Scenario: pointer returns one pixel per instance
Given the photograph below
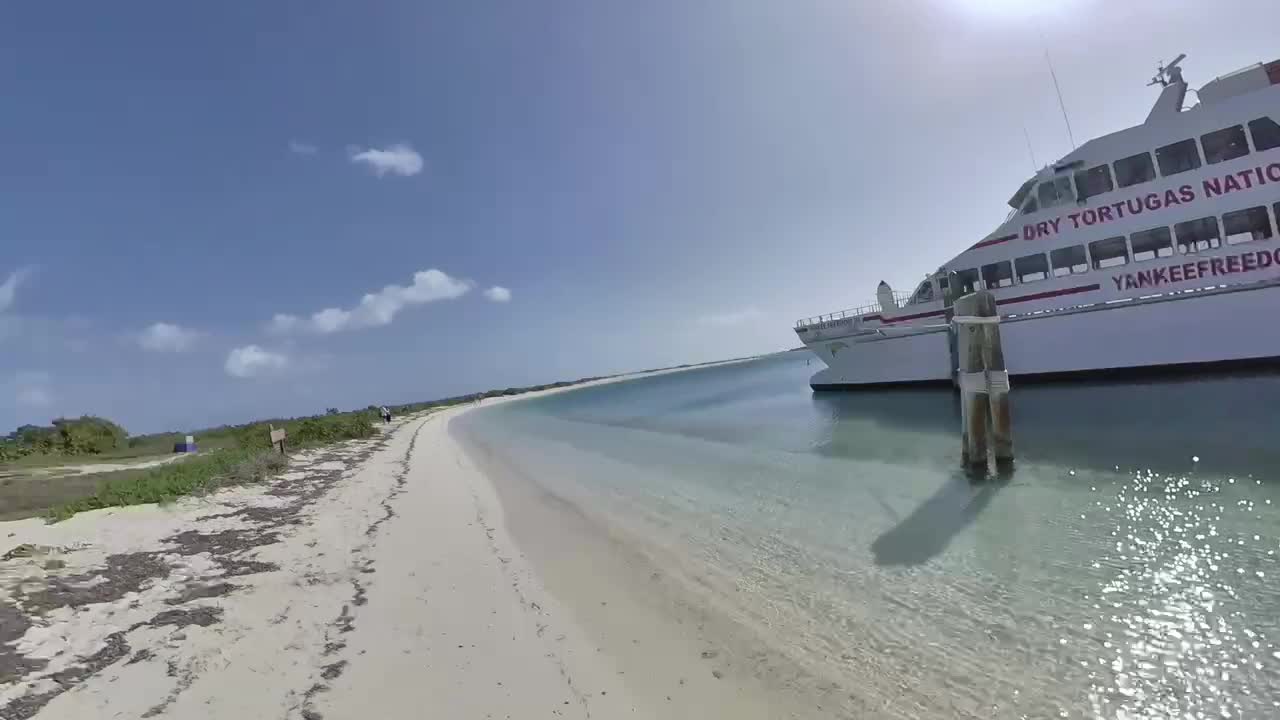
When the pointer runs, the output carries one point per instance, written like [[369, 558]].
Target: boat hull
[[1220, 326]]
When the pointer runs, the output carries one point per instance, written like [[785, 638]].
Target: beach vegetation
[[165, 483]]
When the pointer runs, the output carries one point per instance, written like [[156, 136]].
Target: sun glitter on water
[[1179, 638]]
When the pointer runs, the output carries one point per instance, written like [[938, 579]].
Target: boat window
[[1023, 191], [1111, 252], [1094, 181], [1246, 225], [923, 294], [1134, 169], [1178, 157], [966, 281], [1226, 144], [1068, 261], [1197, 235], [1031, 268], [1265, 132], [1151, 244], [998, 275], [1055, 192], [1030, 207]]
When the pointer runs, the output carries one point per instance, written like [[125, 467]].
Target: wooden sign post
[[277, 438]]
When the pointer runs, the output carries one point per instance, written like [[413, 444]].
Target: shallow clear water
[[1126, 569]]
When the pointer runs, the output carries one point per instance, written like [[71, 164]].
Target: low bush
[[89, 435], [195, 475], [311, 431], [86, 435]]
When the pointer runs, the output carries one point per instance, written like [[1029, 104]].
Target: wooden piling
[[983, 382], [974, 407], [997, 387]]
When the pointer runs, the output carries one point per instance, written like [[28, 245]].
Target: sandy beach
[[374, 578]]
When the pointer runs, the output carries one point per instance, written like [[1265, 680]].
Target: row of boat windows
[[1219, 146], [1193, 236]]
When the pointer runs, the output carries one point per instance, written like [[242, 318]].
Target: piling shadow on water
[[929, 529]]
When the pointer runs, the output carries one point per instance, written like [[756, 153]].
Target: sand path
[[373, 579]]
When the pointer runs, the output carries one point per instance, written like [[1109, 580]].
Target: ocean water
[[1127, 567]]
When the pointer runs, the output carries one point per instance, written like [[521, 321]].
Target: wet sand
[[683, 653]]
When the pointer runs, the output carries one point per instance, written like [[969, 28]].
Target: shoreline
[[372, 576], [681, 657], [670, 625]]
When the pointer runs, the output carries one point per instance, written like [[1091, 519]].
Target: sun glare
[[1000, 9]]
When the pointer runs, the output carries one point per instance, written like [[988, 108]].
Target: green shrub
[[10, 451], [165, 483], [89, 435], [307, 432], [86, 435]]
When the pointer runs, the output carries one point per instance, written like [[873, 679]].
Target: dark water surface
[[1126, 569]]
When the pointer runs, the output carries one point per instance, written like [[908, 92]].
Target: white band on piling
[[997, 381], [975, 320], [972, 382], [989, 381]]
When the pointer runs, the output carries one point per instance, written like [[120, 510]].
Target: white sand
[[397, 592]]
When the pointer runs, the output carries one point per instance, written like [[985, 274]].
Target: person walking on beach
[[386, 414]]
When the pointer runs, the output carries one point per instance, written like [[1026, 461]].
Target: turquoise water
[[1127, 568]]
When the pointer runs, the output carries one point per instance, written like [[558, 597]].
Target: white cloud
[[9, 288], [282, 323], [731, 318], [252, 361], [298, 147], [31, 389], [167, 337], [399, 159], [379, 308], [498, 294]]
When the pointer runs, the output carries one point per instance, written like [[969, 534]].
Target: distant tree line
[[91, 435], [85, 435]]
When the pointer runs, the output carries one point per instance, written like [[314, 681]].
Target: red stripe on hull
[[1049, 294], [1003, 301], [995, 241], [917, 316]]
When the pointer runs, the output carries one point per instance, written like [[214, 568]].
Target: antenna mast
[[1057, 89], [1035, 166]]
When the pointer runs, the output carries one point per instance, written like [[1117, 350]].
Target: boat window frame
[[982, 272], [1117, 241], [1084, 190], [967, 287], [1142, 236], [1150, 166], [1045, 272], [1180, 145], [915, 299], [1243, 212], [1059, 184], [1222, 152], [1272, 134], [1185, 248], [1070, 269]]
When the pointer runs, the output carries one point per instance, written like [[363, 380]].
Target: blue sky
[[650, 183]]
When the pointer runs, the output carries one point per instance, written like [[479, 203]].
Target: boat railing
[[899, 298]]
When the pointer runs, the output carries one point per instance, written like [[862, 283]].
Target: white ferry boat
[[1152, 247]]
